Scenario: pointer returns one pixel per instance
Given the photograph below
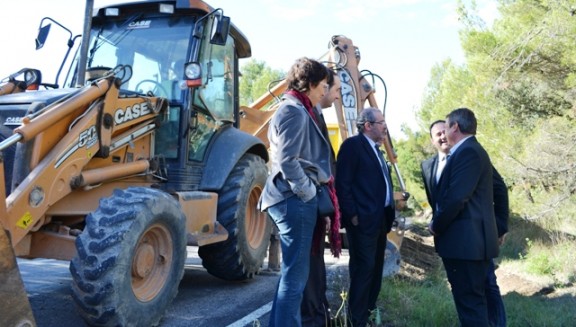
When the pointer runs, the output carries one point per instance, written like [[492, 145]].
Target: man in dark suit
[[463, 223], [496, 309], [364, 190], [431, 167], [431, 170], [315, 308]]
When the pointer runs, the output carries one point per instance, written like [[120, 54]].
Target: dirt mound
[[418, 254], [511, 282], [419, 259]]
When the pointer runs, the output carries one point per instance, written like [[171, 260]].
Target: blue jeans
[[496, 310], [295, 220]]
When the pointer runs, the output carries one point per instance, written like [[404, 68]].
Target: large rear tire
[[130, 259], [242, 254]]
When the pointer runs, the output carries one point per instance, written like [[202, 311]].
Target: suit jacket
[[501, 203], [464, 222], [361, 187], [429, 178], [300, 155]]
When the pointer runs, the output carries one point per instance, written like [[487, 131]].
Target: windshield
[[154, 47]]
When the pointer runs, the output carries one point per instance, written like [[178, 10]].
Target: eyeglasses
[[377, 122]]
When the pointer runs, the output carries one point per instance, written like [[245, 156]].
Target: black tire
[[241, 256], [130, 259]]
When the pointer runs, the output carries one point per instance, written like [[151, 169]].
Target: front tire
[[130, 259], [242, 254]]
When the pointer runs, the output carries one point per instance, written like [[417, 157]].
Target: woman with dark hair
[[300, 156]]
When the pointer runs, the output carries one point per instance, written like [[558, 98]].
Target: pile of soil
[[419, 258], [418, 254]]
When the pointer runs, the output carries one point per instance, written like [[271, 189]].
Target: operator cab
[[179, 51]]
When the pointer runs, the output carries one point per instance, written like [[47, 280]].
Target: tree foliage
[[256, 80], [519, 78]]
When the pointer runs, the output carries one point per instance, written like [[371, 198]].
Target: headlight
[[193, 71]]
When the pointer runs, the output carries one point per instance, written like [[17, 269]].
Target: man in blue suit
[[431, 171], [364, 190], [463, 223]]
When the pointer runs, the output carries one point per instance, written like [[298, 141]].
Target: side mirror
[[42, 36], [32, 78], [220, 30]]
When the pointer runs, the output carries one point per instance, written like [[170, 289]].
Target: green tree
[[256, 80], [525, 63], [519, 79], [410, 152]]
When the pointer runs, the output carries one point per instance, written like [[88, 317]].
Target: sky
[[400, 40]]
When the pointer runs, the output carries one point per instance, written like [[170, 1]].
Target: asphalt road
[[202, 300]]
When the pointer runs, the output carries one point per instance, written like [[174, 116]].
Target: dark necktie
[[386, 175]]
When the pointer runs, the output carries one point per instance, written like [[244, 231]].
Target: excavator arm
[[90, 122], [72, 132]]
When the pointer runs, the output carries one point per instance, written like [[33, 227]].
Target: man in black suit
[[431, 170], [315, 309], [431, 167], [364, 190], [463, 223]]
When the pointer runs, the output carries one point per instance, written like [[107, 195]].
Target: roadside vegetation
[[536, 277], [537, 282]]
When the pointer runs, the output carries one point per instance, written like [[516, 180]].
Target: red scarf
[[305, 100], [320, 228], [334, 236]]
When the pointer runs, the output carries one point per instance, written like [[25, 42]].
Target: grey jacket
[[300, 155]]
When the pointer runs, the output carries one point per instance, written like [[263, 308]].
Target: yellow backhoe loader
[[141, 150], [134, 157]]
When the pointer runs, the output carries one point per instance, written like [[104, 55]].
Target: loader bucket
[[392, 258], [15, 309]]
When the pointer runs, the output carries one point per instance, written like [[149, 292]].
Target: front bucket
[[15, 308], [392, 257]]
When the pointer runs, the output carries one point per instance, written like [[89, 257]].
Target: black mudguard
[[227, 149]]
